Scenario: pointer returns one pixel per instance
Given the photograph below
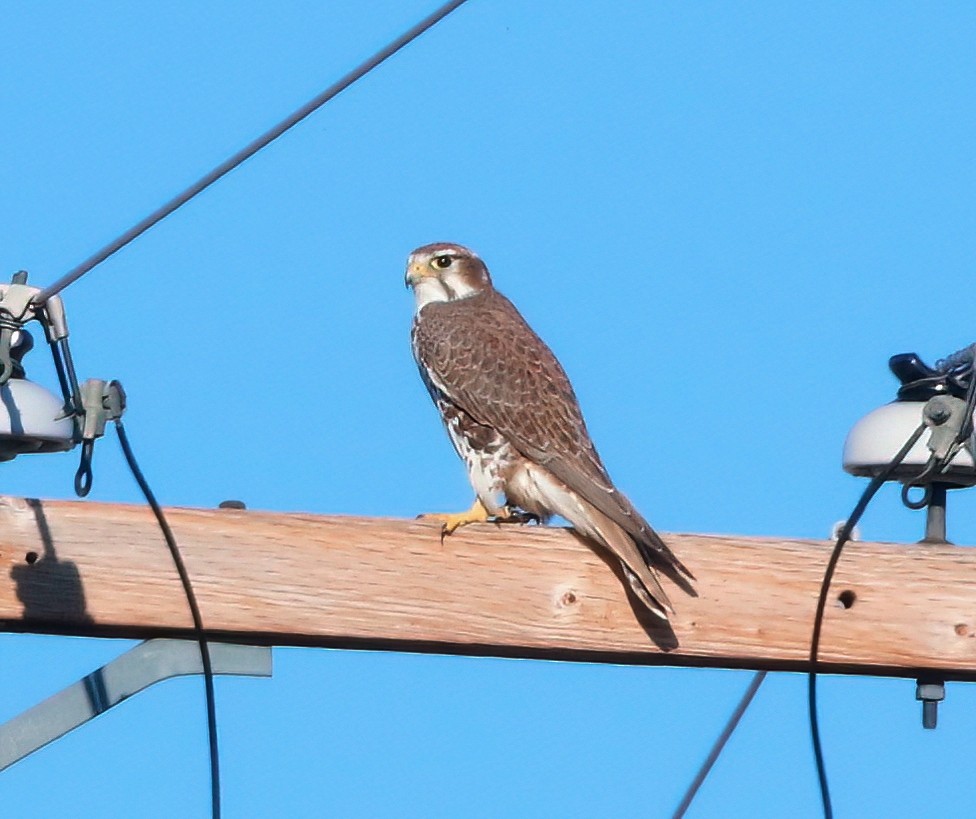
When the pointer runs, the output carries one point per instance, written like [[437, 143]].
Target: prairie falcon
[[513, 418]]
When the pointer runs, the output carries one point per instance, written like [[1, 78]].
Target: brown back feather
[[492, 364]]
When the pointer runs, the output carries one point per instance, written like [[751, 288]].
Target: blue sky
[[722, 217]]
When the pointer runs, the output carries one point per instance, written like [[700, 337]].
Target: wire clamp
[[950, 429], [101, 402], [945, 416]]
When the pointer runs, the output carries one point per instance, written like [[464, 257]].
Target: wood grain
[[294, 579]]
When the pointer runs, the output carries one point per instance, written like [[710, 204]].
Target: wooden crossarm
[[502, 590]]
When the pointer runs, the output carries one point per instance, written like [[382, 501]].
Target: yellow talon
[[476, 514]]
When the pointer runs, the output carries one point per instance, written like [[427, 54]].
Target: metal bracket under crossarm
[[148, 663]]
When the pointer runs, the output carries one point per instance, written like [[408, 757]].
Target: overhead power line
[[191, 599], [842, 538], [248, 151]]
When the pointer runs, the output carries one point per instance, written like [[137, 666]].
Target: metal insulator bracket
[[945, 416], [112, 684], [17, 307]]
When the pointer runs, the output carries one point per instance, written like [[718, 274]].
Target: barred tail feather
[[535, 489], [640, 576]]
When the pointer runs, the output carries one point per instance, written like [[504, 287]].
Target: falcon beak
[[415, 272]]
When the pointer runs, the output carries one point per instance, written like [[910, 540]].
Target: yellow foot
[[476, 514]]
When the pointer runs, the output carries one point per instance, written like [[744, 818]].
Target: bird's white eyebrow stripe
[[453, 251]]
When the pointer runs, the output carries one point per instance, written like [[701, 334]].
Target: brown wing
[[480, 352]]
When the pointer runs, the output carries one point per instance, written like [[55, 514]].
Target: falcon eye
[[443, 262]]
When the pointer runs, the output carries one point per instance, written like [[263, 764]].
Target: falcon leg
[[476, 514], [510, 515]]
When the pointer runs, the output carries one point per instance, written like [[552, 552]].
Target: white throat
[[432, 289]]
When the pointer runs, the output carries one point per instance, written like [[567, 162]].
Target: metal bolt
[[930, 693], [937, 412]]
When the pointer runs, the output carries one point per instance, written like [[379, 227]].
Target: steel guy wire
[[719, 745], [246, 152]]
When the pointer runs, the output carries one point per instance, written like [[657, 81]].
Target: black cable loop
[[83, 477], [921, 481], [845, 534], [936, 465], [191, 600], [922, 502]]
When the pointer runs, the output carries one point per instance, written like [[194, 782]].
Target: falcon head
[[445, 272]]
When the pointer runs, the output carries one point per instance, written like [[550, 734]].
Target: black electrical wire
[[719, 745], [845, 534], [967, 425], [191, 600], [960, 360], [246, 152]]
